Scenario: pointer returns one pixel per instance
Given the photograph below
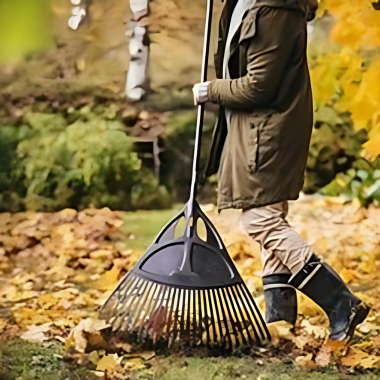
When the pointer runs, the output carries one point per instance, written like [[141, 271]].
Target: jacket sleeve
[[268, 55]]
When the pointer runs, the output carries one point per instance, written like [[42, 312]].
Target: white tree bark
[[79, 12], [136, 82]]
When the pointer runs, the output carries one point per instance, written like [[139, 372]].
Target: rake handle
[[201, 107]]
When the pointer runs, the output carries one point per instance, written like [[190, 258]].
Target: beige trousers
[[282, 249]]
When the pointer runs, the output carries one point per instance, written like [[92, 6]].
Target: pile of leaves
[[58, 268], [55, 269]]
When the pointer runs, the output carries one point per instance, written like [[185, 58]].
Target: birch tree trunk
[[137, 82], [79, 12]]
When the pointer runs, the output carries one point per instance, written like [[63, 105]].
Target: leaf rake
[[187, 289]]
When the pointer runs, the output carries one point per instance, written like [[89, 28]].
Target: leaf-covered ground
[[57, 269]]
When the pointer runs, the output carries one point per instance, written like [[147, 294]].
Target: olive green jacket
[[261, 159]]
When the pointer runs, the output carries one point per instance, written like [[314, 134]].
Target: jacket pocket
[[254, 147]]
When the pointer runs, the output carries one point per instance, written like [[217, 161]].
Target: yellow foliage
[[353, 74]]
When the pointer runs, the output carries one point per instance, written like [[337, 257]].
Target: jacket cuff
[[216, 88], [212, 91]]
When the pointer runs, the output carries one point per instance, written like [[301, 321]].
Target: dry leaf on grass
[[147, 355], [318, 332], [323, 357], [280, 330], [359, 358], [335, 345], [306, 361], [3, 323], [35, 334], [107, 362], [78, 340], [93, 357]]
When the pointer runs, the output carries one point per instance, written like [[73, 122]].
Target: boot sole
[[359, 317]]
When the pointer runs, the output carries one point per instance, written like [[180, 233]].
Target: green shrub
[[82, 160], [334, 147], [361, 182]]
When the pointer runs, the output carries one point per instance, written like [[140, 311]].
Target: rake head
[[186, 289]]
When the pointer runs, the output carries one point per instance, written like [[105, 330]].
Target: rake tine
[[166, 313], [234, 311], [127, 298], [122, 306], [119, 294], [215, 339], [256, 325], [188, 315], [149, 321], [207, 324], [200, 322], [171, 312], [239, 310], [183, 305], [124, 293], [135, 303], [142, 303], [220, 318], [174, 324], [193, 293], [133, 296], [156, 313], [147, 314], [255, 312], [260, 318], [122, 280], [177, 316], [224, 318], [230, 316], [238, 296]]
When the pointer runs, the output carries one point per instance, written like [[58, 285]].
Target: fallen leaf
[[107, 362], [348, 275], [319, 332], [77, 338], [35, 334], [280, 330], [94, 357], [335, 345], [306, 361], [323, 357], [147, 355], [360, 358]]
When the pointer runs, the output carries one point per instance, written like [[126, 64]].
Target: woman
[[260, 149]]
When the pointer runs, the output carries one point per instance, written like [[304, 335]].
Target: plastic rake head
[[187, 290]]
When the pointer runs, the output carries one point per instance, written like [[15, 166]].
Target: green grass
[[232, 368], [145, 225], [22, 360]]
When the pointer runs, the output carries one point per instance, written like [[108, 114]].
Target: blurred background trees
[[69, 138]]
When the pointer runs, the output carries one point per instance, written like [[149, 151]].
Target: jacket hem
[[246, 204]]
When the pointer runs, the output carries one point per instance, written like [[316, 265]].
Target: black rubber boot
[[280, 299], [323, 285]]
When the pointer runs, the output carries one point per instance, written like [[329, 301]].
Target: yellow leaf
[[94, 357], [348, 275], [372, 147], [360, 358], [306, 361], [106, 362]]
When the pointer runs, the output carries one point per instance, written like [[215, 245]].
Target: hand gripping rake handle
[[201, 107]]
